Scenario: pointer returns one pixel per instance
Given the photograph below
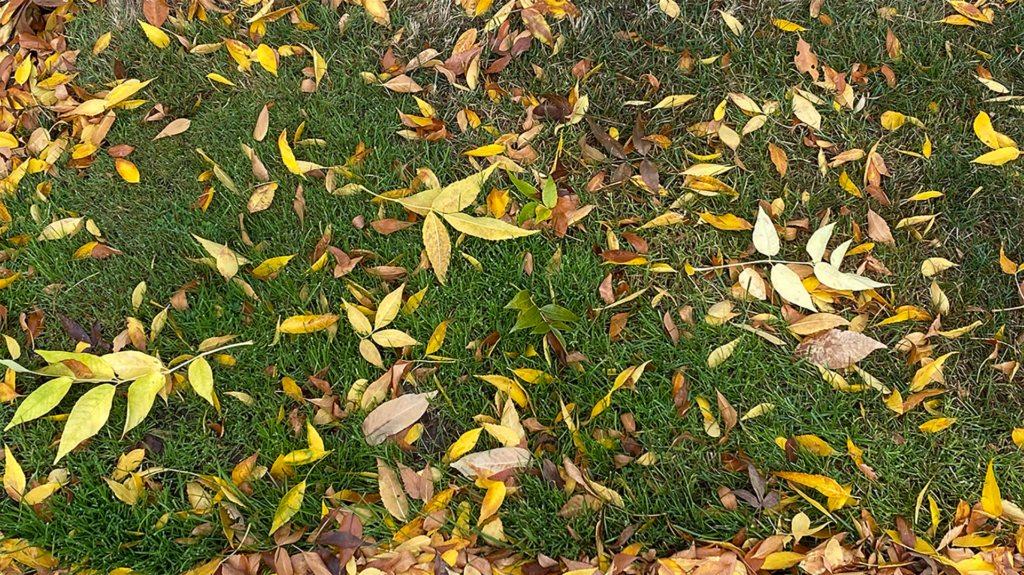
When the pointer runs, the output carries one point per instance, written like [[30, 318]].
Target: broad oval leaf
[[86, 418], [392, 338], [835, 279], [141, 395], [437, 244], [393, 416], [132, 364], [787, 284], [388, 308], [200, 376], [719, 355], [41, 401], [97, 365]]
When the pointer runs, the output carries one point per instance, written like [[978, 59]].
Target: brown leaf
[[156, 12], [680, 394], [670, 327], [403, 83], [890, 76], [729, 415], [837, 349], [299, 204], [816, 8], [878, 229], [641, 145], [120, 151], [389, 226], [606, 291], [638, 243], [892, 44], [617, 324], [610, 144], [649, 174], [879, 194], [619, 256], [393, 416], [778, 156], [805, 60]]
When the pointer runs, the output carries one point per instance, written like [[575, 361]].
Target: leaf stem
[[206, 353], [723, 266], [1018, 308]]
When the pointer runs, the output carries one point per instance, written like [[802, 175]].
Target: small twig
[[1018, 308], [712, 268]]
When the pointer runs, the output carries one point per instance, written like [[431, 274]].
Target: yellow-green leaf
[[719, 355], [486, 228], [200, 376], [270, 268], [437, 244], [132, 364], [825, 485], [289, 506], [86, 418], [141, 395], [41, 401]]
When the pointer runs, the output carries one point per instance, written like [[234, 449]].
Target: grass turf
[[151, 222]]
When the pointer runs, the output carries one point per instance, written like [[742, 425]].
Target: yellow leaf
[[157, 36], [454, 197], [218, 78], [378, 11], [490, 150], [392, 338], [132, 364], [921, 196], [66, 227], [370, 353], [289, 506], [506, 435], [932, 266], [388, 308], [486, 228], [727, 222], [261, 197], [811, 443], [924, 375], [719, 355], [124, 91], [101, 44], [465, 444], [997, 157], [937, 424], [805, 111], [308, 323], [319, 65], [892, 120], [1018, 436], [226, 259], [200, 377], [731, 22], [271, 267], [358, 321], [766, 239], [955, 333], [991, 501], [266, 57], [926, 149], [758, 410], [508, 386], [988, 135], [413, 303], [674, 101], [787, 26], [895, 402], [14, 478], [710, 423], [824, 485], [41, 493], [1006, 264], [781, 559], [492, 500], [437, 338], [86, 418], [287, 156], [127, 170]]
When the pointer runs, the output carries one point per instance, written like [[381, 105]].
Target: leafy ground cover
[[525, 287]]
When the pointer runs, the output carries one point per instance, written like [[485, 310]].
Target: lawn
[[656, 472]]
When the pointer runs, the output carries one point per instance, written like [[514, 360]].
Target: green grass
[[151, 223]]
